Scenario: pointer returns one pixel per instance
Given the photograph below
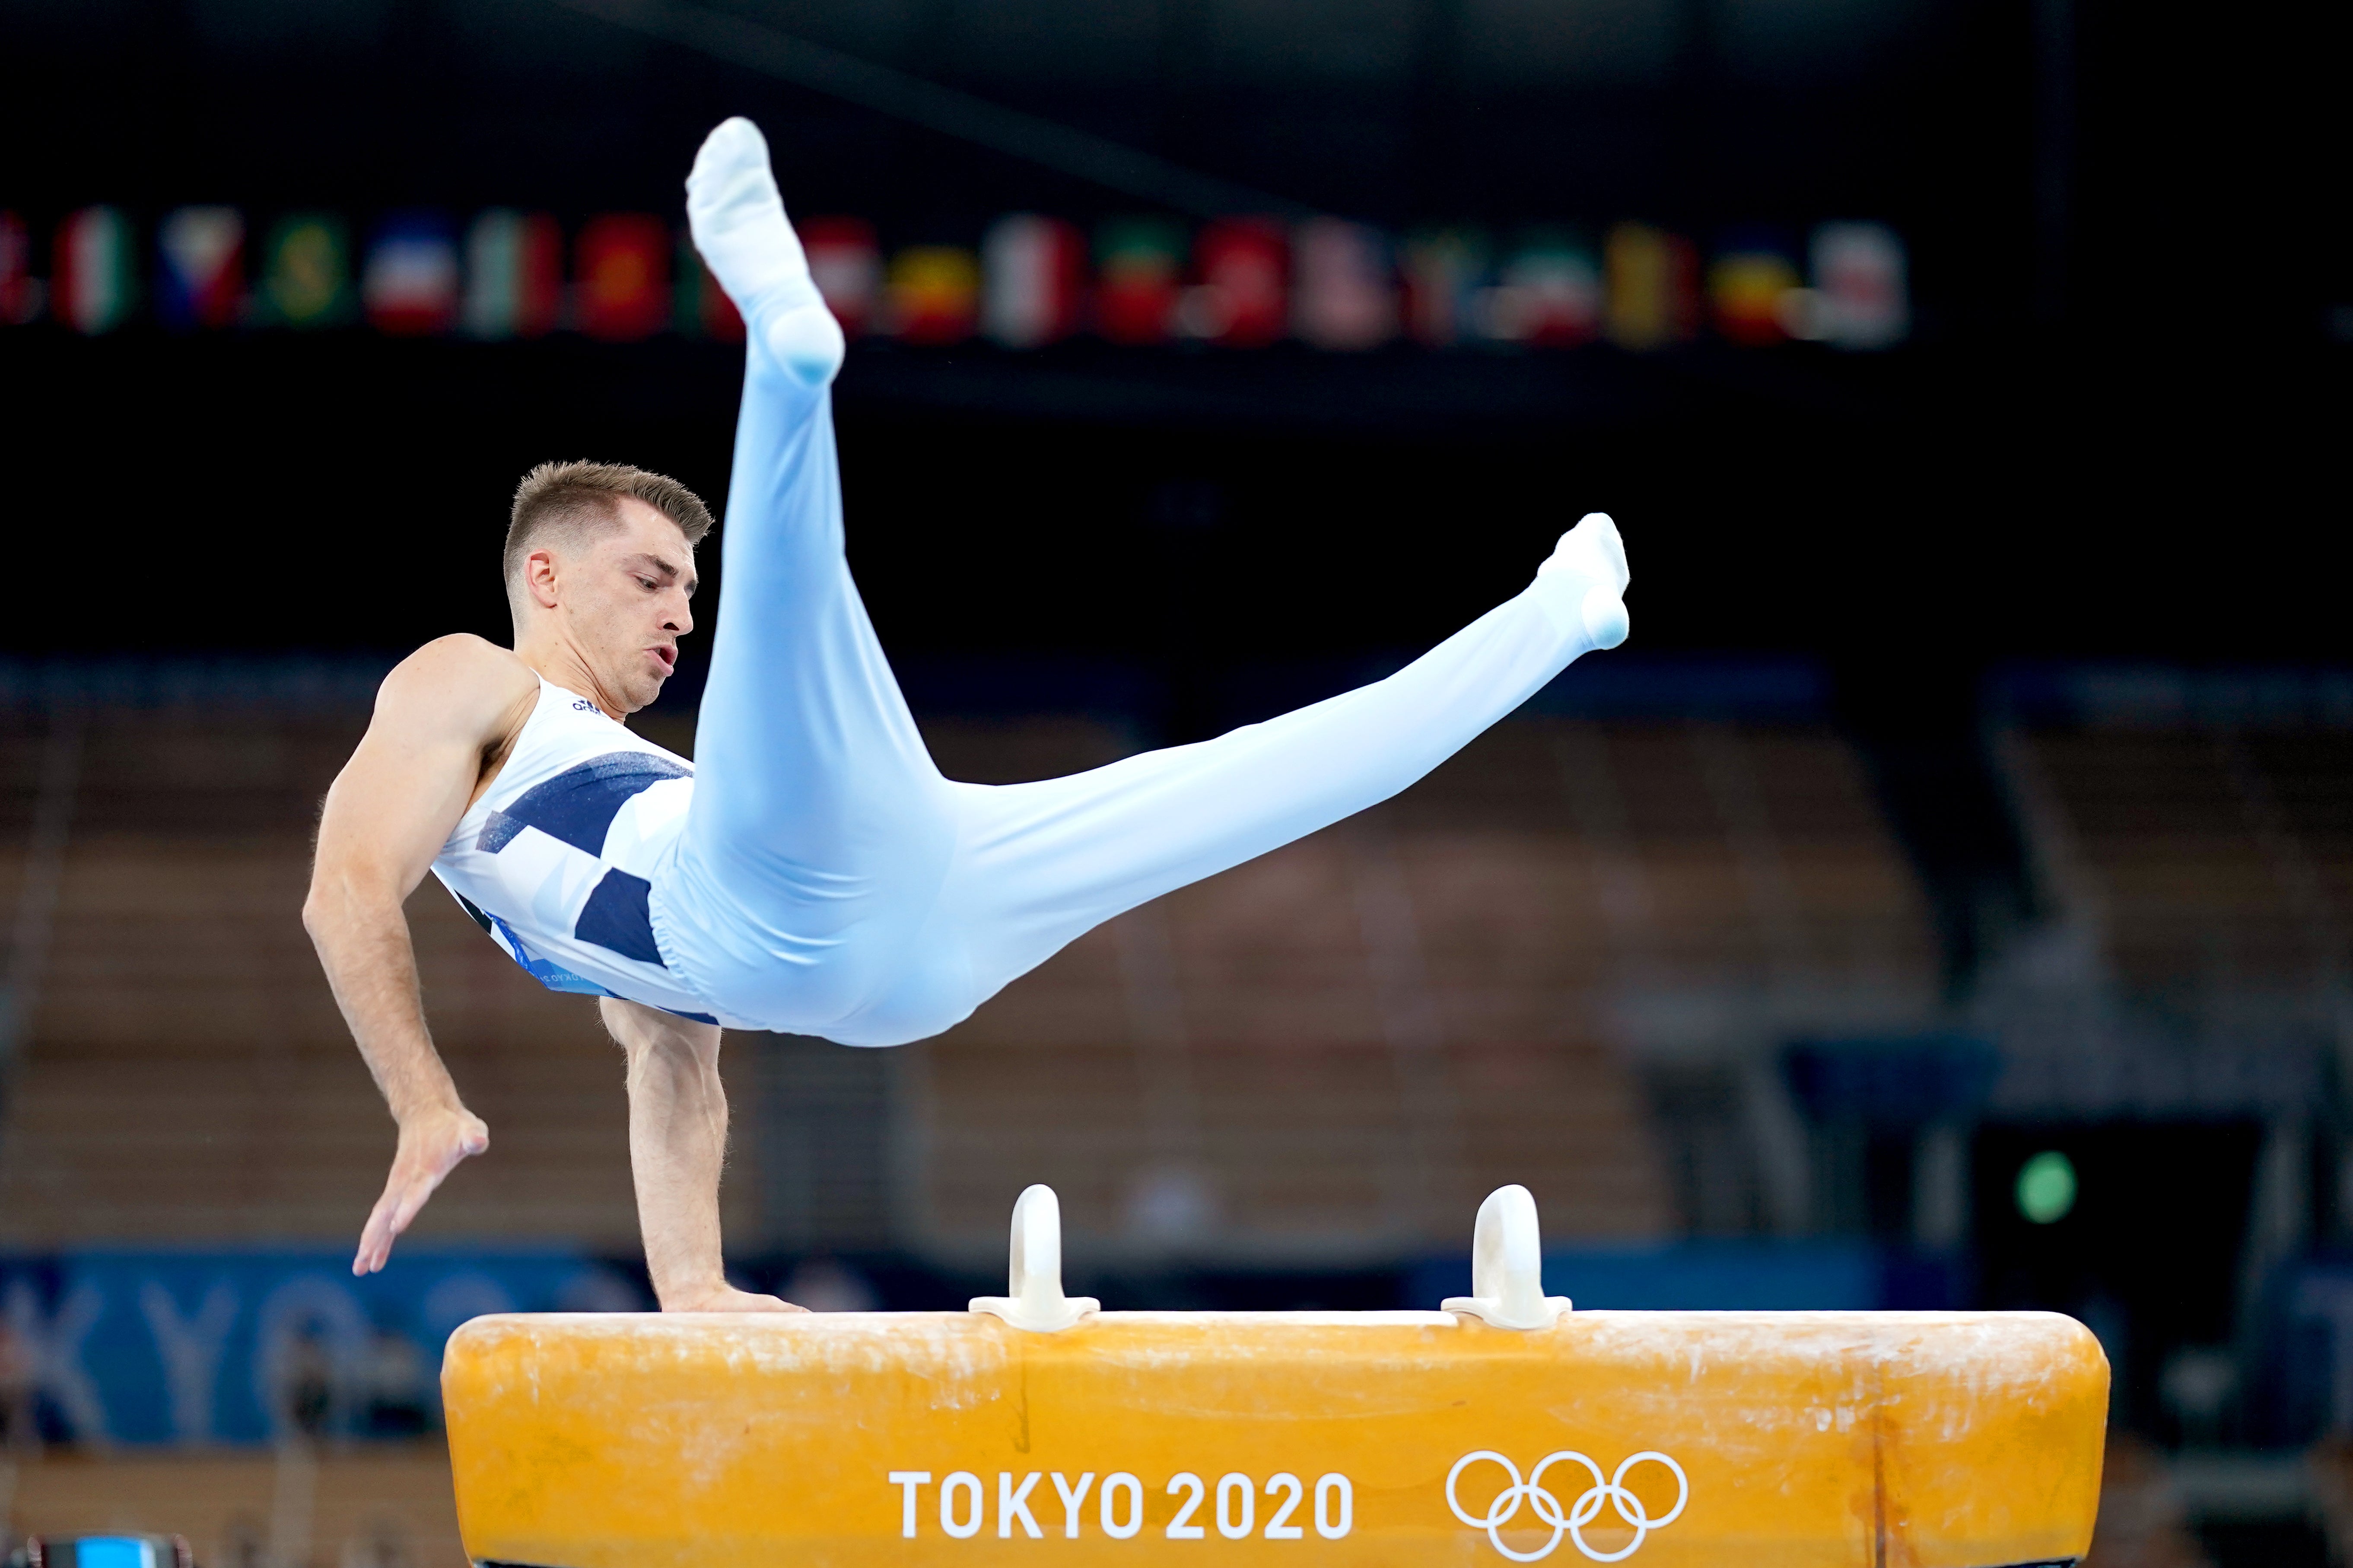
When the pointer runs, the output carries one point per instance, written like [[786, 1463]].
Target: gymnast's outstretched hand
[[431, 1144]]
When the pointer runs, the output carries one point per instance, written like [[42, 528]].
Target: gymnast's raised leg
[[1038, 864], [828, 881], [820, 830]]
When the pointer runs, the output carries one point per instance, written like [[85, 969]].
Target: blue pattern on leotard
[[615, 916], [579, 804], [554, 976]]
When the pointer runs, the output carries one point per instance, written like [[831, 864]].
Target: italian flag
[[92, 273]]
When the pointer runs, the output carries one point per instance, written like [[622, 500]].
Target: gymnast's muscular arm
[[445, 719], [678, 1141]]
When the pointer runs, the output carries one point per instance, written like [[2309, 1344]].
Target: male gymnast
[[810, 872]]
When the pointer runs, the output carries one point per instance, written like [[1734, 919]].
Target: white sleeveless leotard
[[557, 857]]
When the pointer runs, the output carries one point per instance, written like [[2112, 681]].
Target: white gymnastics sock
[[740, 227], [1593, 552]]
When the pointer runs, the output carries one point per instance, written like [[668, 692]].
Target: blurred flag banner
[[1444, 270], [1753, 292], [91, 276], [1653, 287], [1862, 295], [20, 292], [1333, 284], [306, 272], [704, 309], [1548, 294], [1033, 280], [622, 270], [1344, 298], [847, 265], [514, 274], [1138, 265], [201, 252], [934, 293], [409, 286], [1241, 299]]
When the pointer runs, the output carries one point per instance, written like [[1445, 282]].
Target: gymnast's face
[[624, 597]]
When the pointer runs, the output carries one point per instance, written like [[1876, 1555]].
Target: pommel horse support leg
[[1037, 1429]]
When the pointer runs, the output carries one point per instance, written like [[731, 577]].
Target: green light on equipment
[[2046, 1187]]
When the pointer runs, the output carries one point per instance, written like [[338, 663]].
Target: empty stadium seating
[[2209, 859], [1326, 1056], [1333, 1052], [2209, 862], [2190, 837], [385, 1507]]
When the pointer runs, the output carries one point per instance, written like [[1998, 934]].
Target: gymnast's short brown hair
[[578, 500]]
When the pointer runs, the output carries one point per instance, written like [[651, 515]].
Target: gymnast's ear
[[535, 579]]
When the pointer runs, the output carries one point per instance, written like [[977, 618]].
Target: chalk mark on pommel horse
[[1506, 1427]]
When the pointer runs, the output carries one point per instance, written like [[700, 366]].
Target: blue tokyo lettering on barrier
[[193, 1348], [54, 1336], [963, 1506]]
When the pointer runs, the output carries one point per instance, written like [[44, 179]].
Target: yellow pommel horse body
[[1505, 1429]]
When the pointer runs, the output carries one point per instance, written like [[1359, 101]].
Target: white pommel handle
[[1035, 1279], [1507, 1266]]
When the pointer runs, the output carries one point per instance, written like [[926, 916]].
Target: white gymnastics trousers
[[830, 881]]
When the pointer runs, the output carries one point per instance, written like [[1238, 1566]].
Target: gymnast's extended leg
[[816, 810], [1040, 863]]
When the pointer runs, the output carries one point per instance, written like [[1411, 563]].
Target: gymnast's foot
[[739, 225], [1593, 552]]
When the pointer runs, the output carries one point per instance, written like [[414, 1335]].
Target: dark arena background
[[1944, 899]]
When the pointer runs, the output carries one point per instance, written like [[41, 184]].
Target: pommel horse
[[1506, 1427]]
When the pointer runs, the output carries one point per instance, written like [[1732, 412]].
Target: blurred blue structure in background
[[202, 1347]]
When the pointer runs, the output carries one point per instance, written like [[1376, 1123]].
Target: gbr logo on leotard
[[1235, 1506]]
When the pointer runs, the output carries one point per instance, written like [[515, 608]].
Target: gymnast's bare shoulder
[[445, 720], [472, 679], [459, 699]]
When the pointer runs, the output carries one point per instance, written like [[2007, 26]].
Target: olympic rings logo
[[1581, 1513]]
